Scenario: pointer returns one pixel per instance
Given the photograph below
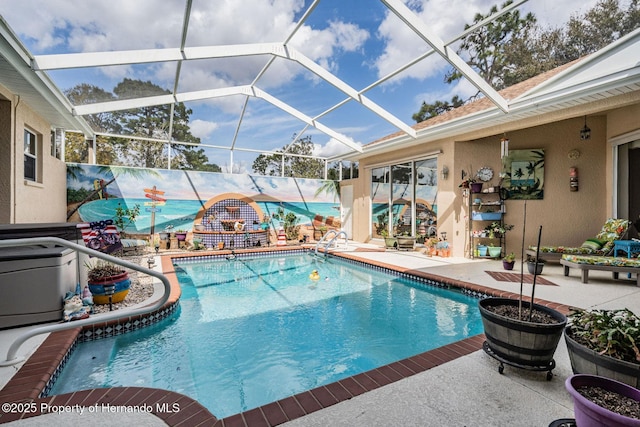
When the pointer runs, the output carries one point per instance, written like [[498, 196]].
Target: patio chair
[[602, 245]]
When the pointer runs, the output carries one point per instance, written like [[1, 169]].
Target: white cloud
[[332, 148], [202, 128], [444, 19]]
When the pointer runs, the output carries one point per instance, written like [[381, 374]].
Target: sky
[[359, 41]]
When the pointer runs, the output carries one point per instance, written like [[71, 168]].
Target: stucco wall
[[5, 158], [45, 200], [567, 218]]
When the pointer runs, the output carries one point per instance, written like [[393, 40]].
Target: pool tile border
[[35, 377]]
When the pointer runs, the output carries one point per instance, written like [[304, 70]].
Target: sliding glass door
[[403, 198]]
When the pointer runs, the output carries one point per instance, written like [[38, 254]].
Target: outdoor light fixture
[[585, 132], [444, 173]]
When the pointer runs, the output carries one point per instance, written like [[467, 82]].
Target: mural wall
[[186, 200]]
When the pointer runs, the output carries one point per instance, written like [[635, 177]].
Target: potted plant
[[476, 187], [521, 333], [405, 241], [482, 250], [605, 343], [431, 243], [106, 279], [508, 261], [389, 241], [535, 267], [600, 401], [181, 235], [494, 251], [497, 229]]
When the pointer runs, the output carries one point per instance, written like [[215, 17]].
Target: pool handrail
[[330, 242], [12, 359]]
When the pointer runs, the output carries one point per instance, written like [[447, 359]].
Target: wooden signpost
[[156, 200]]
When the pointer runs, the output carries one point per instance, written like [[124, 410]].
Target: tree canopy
[[148, 122], [512, 48], [302, 167]]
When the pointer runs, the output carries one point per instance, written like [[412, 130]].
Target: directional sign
[[154, 197], [153, 210], [153, 191], [155, 203]]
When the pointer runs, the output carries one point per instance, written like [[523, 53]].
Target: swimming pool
[[254, 330]]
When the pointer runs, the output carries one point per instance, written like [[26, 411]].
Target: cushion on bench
[[603, 260]]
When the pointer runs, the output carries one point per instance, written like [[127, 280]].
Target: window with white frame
[[30, 155]]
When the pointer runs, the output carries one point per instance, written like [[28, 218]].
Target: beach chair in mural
[[602, 245], [103, 236]]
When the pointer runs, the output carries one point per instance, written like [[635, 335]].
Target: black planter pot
[[520, 343], [535, 268], [586, 361]]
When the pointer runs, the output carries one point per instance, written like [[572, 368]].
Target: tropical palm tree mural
[[74, 172]]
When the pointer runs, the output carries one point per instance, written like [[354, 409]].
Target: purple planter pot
[[587, 413]]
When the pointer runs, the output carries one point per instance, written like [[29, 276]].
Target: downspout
[[14, 208]]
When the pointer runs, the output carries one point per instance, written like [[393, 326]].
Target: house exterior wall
[[6, 156], [29, 202], [567, 218]]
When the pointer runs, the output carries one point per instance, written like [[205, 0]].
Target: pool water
[[251, 331]]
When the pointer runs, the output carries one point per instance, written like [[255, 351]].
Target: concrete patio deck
[[466, 391]]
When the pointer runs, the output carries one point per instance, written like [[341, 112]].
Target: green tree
[[299, 167], [437, 108], [76, 147], [486, 52], [512, 48], [485, 47], [598, 27], [149, 122]]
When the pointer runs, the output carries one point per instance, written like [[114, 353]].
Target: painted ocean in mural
[[96, 192], [179, 214]]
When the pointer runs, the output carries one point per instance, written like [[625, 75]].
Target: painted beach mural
[[236, 209]]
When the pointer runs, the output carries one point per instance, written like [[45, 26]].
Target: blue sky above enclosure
[[358, 41]]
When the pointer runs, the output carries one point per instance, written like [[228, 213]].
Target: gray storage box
[[33, 283]]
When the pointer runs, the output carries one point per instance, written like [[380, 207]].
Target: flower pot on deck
[[587, 361], [535, 268], [391, 242], [589, 414], [100, 288], [520, 342]]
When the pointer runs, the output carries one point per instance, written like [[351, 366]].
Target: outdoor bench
[[616, 265]]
